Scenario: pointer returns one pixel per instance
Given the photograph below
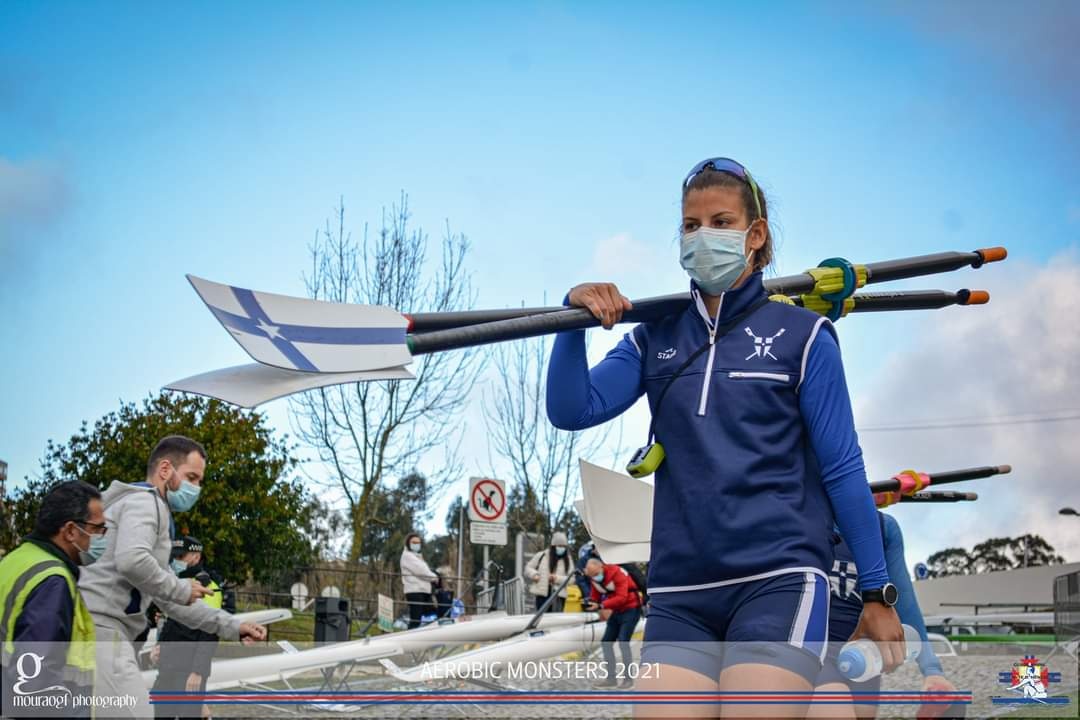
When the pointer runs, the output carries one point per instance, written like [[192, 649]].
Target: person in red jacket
[[613, 593]]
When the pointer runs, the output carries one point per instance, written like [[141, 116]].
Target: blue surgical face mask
[[178, 566], [598, 577], [183, 498], [94, 550], [713, 258]]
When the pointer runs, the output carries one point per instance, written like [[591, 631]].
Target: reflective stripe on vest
[[213, 600], [21, 571]]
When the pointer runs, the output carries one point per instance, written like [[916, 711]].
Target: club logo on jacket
[[762, 345], [666, 354]]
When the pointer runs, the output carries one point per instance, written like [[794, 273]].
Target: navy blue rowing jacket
[[758, 435]]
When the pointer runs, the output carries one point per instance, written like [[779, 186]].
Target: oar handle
[[940, 496], [909, 481], [903, 268], [952, 476], [913, 300]]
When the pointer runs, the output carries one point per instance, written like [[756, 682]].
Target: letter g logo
[[28, 667], [25, 674]]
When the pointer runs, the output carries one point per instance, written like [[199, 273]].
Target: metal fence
[[1067, 607], [509, 596]]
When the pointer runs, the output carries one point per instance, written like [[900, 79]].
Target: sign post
[[487, 513], [386, 613]]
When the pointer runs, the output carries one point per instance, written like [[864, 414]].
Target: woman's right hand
[[603, 300]]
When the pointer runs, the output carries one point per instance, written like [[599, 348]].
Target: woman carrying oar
[[759, 453]]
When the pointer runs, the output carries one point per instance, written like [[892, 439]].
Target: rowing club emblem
[[762, 345], [1029, 681]]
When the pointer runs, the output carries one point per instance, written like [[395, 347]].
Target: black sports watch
[[887, 595]]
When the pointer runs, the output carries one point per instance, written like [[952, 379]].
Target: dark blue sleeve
[[47, 617], [579, 398], [907, 607], [826, 410]]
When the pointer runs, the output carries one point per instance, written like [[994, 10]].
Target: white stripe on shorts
[[802, 617]]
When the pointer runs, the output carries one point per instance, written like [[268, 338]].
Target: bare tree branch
[[541, 458], [370, 432]]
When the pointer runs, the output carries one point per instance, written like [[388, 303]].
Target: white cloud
[[1020, 354], [33, 197], [621, 254], [31, 192]]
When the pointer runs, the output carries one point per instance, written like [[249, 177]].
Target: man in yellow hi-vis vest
[[46, 632]]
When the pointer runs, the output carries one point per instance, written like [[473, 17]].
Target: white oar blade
[[613, 551], [255, 384], [309, 335], [619, 553], [618, 507]]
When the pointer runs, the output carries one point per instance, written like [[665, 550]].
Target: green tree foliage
[[993, 555], [395, 513], [950, 561], [254, 521]]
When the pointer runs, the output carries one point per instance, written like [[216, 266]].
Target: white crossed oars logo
[[762, 345]]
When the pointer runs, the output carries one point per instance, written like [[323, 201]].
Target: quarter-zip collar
[[732, 302]]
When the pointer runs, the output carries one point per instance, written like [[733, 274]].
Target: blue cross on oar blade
[[308, 335]]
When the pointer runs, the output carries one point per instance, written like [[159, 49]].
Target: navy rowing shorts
[[780, 620]]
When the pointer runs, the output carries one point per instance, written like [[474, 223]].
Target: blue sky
[[139, 143]]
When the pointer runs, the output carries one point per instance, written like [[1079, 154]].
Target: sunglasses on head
[[730, 167]]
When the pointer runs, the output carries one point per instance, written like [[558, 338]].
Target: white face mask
[[713, 258], [94, 549], [414, 546]]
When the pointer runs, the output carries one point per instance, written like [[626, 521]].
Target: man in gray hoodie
[[133, 570]]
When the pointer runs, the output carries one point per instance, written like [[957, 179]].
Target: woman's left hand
[[881, 624]]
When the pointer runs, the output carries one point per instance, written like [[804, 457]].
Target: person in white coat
[[416, 577], [546, 571]]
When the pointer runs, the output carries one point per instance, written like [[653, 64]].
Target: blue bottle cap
[[851, 664]]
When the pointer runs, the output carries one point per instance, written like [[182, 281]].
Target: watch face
[[890, 594]]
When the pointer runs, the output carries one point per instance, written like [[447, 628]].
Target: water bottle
[[457, 608], [860, 660]]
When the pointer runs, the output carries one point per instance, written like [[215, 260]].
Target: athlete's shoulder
[[662, 327], [796, 313]]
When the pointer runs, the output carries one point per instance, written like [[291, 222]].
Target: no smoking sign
[[487, 500]]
